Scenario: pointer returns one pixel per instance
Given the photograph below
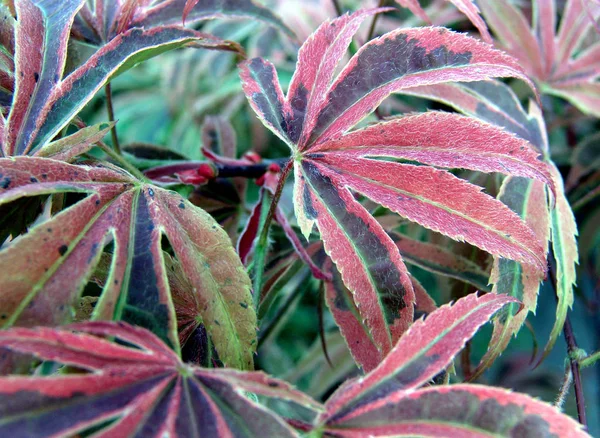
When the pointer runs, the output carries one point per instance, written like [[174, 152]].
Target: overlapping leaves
[[141, 388], [560, 60], [46, 98], [331, 166], [53, 262], [496, 103], [389, 401]]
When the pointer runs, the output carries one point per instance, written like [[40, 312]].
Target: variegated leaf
[[411, 364], [57, 257], [331, 167], [140, 384], [45, 101], [474, 411], [561, 60], [467, 7], [564, 246], [527, 198]]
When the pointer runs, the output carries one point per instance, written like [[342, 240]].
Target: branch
[[111, 118], [572, 350]]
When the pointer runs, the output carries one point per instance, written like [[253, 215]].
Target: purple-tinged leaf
[[134, 216], [44, 100], [250, 232], [423, 351], [41, 38], [348, 318], [368, 261], [559, 61], [403, 59], [527, 198], [191, 11], [142, 385], [261, 85], [122, 53], [440, 260], [490, 101], [317, 60], [512, 30], [467, 7], [438, 201], [469, 411], [444, 140], [544, 26], [329, 175]]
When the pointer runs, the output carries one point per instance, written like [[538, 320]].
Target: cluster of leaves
[[140, 387], [172, 254]]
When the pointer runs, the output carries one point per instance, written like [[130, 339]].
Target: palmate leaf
[[331, 166], [558, 59], [141, 388], [45, 100], [388, 401], [55, 260]]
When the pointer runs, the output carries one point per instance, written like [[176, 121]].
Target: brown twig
[[338, 8]]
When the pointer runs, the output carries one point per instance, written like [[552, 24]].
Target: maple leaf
[[559, 60], [54, 261], [138, 387], [390, 400], [331, 165]]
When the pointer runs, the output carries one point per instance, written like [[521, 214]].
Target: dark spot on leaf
[[97, 201], [182, 205], [36, 77], [273, 384], [5, 183], [33, 179], [49, 230], [62, 250], [244, 305], [44, 176]]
